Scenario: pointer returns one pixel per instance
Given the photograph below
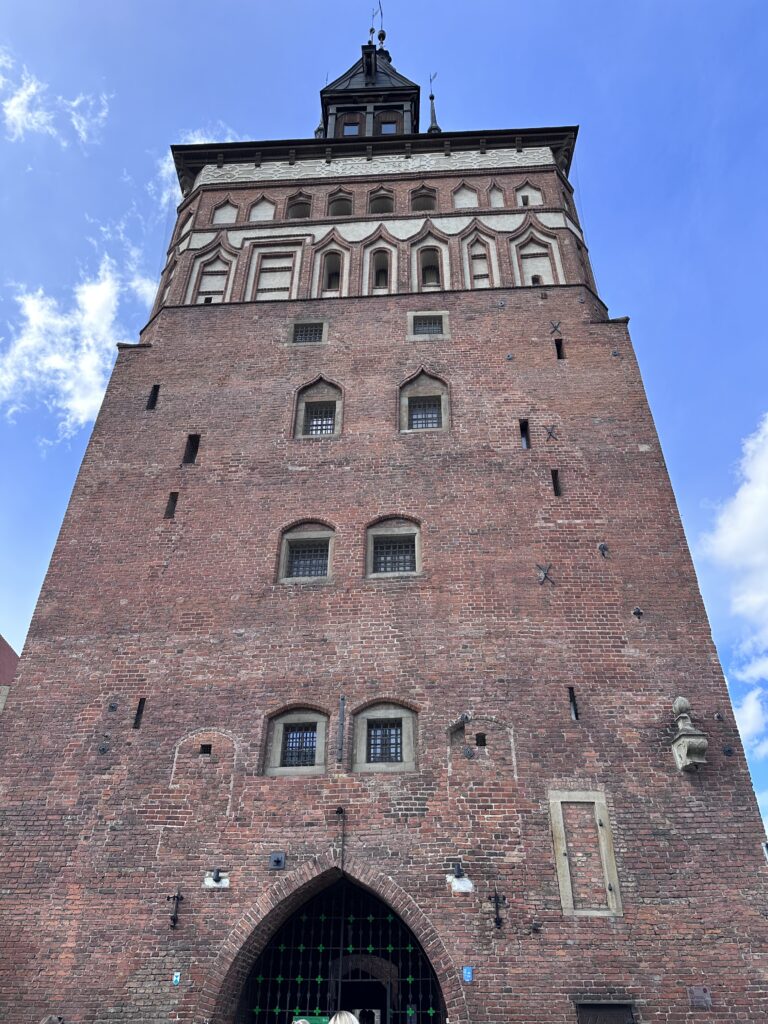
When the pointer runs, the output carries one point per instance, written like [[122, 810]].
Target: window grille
[[303, 333], [307, 558], [384, 741], [395, 553], [319, 418], [299, 745], [425, 413], [427, 325]]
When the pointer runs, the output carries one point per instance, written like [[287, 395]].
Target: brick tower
[[351, 682]]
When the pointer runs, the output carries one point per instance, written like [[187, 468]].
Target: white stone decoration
[[390, 163], [690, 744]]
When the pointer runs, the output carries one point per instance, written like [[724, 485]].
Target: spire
[[434, 127]]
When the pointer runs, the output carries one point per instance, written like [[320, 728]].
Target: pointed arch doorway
[[344, 949]]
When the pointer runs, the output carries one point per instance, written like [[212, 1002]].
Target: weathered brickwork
[[110, 807]]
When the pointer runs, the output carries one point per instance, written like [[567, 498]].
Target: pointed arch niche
[[224, 213], [480, 261], [380, 266], [211, 280], [430, 264], [363, 957], [330, 270], [536, 259]]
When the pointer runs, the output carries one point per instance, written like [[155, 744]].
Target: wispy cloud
[[29, 108], [62, 357], [738, 544], [164, 187]]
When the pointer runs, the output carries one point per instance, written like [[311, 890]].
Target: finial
[[382, 36], [690, 744], [434, 127]]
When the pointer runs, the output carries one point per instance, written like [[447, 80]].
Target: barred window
[[296, 743], [395, 553], [425, 413], [427, 325], [308, 332], [384, 741], [319, 418], [299, 745], [307, 558]]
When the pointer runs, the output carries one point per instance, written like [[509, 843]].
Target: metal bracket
[[551, 432], [498, 901], [176, 899], [544, 573], [555, 327]]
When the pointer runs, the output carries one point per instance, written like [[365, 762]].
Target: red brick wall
[[103, 821]]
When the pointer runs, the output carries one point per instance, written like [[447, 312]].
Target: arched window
[[423, 199], [340, 205], [305, 553], [381, 201], [479, 265], [298, 206], [429, 269], [424, 404], [296, 742], [393, 548], [331, 284], [318, 410], [380, 271], [384, 739]]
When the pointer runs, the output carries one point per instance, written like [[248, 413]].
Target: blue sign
[[176, 978], [468, 974]]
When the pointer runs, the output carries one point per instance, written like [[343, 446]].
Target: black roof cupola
[[371, 98]]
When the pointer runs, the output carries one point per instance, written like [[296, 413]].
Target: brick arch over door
[[221, 990]]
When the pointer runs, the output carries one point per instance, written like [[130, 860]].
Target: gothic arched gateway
[[343, 949]]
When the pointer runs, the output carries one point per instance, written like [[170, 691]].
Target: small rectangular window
[[427, 325], [170, 508], [525, 434], [384, 742], [319, 418], [605, 1013], [139, 712], [191, 450], [388, 127], [480, 739], [154, 394], [559, 348], [206, 749], [396, 553], [299, 745], [525, 199], [425, 413], [351, 129], [307, 558], [557, 486], [308, 332]]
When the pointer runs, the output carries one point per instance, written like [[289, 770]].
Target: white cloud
[[88, 115], [738, 544], [164, 189], [63, 357], [29, 109], [25, 110]]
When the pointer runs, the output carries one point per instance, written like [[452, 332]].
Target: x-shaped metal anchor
[[552, 432], [544, 573], [555, 327]]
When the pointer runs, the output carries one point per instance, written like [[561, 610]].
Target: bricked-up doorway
[[343, 950]]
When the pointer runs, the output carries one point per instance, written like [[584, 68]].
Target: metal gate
[[343, 950]]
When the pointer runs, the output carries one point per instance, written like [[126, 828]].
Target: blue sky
[[670, 181]]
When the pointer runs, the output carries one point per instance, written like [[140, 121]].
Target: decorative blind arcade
[[342, 950], [275, 276]]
